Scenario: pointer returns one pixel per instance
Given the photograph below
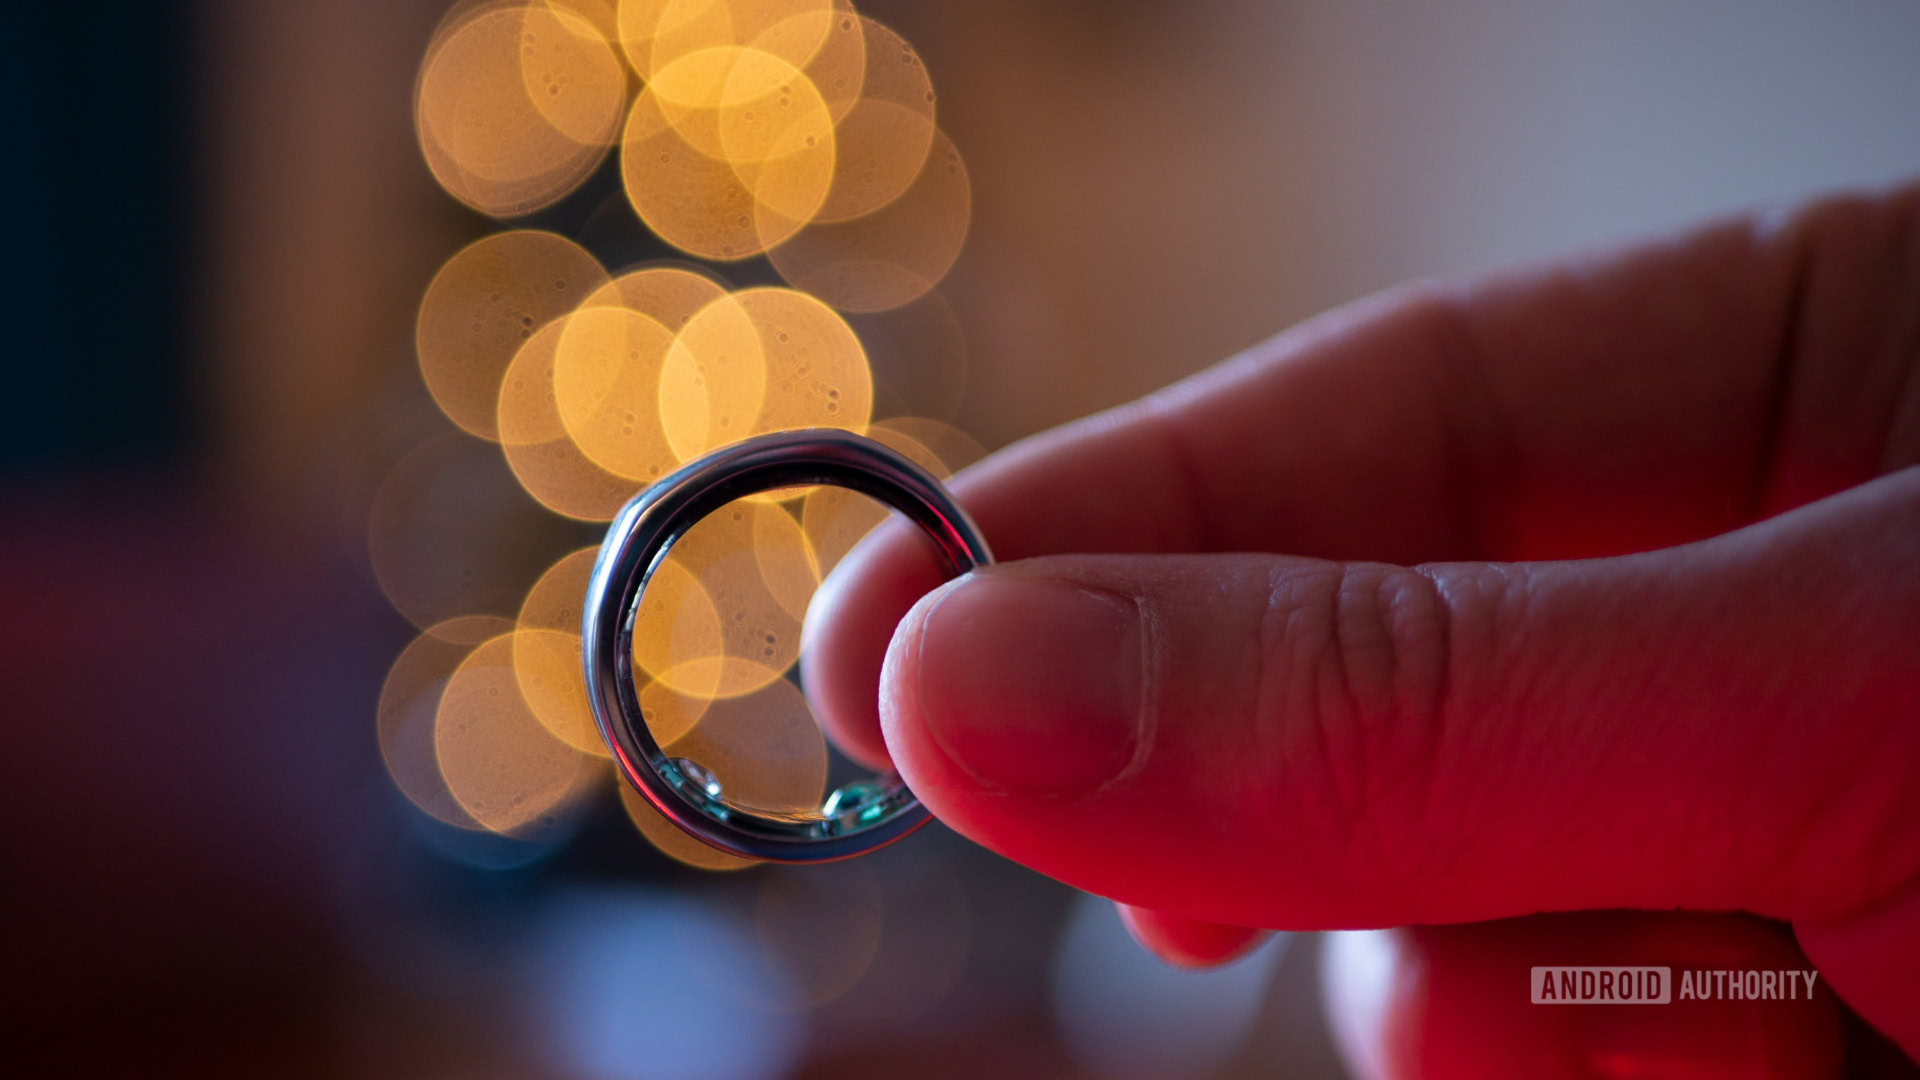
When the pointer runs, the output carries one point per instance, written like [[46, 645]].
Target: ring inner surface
[[855, 816]]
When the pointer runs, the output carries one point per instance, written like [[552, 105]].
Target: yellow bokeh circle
[[483, 305], [728, 152], [516, 104]]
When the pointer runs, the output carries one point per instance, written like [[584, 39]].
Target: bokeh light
[[829, 45], [798, 129], [816, 370], [834, 519], [885, 136], [606, 374], [764, 748], [409, 702], [600, 14], [789, 565], [483, 305], [893, 255], [678, 638], [450, 533], [571, 72], [669, 29], [752, 563], [714, 380], [667, 294], [543, 456], [669, 840], [668, 713], [546, 653], [517, 104], [952, 445], [742, 105], [500, 763], [728, 152]]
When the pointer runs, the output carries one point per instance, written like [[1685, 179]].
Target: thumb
[[1269, 741]]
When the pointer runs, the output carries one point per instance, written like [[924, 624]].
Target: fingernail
[[1030, 685]]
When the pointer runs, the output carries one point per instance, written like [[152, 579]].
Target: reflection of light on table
[[1357, 975], [824, 924], [640, 985], [1123, 1013]]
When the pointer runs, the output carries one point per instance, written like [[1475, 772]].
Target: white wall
[[1160, 184]]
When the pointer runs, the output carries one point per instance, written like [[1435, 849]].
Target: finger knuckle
[[1366, 656]]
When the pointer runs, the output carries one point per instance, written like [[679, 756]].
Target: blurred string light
[[892, 255], [798, 130], [500, 763], [517, 104], [410, 702], [546, 653], [484, 305]]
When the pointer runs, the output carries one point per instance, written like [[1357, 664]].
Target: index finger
[[1610, 403]]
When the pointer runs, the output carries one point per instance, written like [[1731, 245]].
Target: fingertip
[[849, 624], [834, 661], [1188, 943], [1028, 684], [903, 727]]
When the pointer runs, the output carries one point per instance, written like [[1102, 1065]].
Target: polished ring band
[[855, 818]]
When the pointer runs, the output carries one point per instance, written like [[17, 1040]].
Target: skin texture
[[1589, 588]]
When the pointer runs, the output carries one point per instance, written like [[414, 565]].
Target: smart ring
[[855, 818]]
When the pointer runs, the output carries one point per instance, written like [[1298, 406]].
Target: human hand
[[1600, 593]]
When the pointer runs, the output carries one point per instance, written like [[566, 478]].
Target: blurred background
[[231, 508]]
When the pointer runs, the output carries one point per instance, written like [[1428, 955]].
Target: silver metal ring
[[855, 818]]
